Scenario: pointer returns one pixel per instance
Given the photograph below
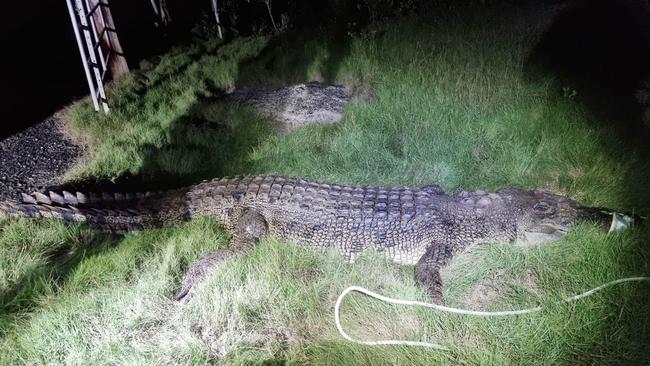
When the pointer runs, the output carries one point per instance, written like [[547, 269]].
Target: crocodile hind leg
[[199, 270], [249, 227], [427, 271]]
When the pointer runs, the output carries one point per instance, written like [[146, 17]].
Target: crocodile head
[[544, 216]]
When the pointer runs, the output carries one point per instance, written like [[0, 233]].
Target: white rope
[[449, 310]]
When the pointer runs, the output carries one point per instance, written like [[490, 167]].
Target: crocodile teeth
[[119, 197], [70, 198], [41, 198], [107, 197], [55, 197], [28, 199]]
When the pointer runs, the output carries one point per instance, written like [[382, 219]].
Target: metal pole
[[84, 60], [215, 8], [155, 8]]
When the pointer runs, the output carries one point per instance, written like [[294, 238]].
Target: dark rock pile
[[35, 158], [296, 105]]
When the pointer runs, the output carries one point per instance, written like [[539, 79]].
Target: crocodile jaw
[[545, 232], [620, 222]]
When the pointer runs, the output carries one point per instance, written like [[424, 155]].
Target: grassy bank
[[457, 102]]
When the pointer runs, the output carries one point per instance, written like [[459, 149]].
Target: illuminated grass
[[158, 125], [452, 102]]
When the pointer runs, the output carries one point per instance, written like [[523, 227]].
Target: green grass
[[449, 101], [160, 126]]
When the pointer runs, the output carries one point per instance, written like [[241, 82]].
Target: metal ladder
[[98, 44]]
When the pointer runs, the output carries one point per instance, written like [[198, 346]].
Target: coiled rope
[[449, 310]]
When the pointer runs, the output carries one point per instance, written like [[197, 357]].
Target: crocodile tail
[[106, 214]]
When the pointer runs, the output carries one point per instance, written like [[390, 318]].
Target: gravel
[[296, 106], [35, 158]]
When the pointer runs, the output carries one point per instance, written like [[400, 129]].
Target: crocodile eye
[[542, 207]]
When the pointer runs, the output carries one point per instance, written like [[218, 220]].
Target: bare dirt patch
[[495, 286]]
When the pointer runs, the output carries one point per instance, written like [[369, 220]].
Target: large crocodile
[[420, 226]]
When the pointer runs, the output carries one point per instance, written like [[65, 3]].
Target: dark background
[[603, 45], [40, 63]]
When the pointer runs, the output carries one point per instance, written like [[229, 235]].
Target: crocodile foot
[[427, 273], [250, 227], [199, 270], [430, 281]]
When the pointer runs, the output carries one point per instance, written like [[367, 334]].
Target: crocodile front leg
[[250, 227], [427, 271]]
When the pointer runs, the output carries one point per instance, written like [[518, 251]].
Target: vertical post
[[103, 21], [84, 60], [96, 67], [268, 7], [215, 9]]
